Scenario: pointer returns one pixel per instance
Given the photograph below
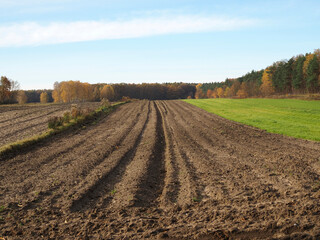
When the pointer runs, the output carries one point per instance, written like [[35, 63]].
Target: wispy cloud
[[31, 33]]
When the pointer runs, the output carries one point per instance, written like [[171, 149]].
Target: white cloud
[[31, 33]]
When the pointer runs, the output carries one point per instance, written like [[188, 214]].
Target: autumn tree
[[243, 91], [22, 97], [56, 93], [107, 92], [96, 94], [72, 91], [210, 93], [199, 93], [44, 97], [266, 88], [5, 86], [227, 92], [220, 92], [309, 58], [234, 88]]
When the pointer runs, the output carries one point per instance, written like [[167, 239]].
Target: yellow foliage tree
[[44, 97], [107, 92], [227, 92], [199, 93], [72, 91], [309, 57], [266, 87], [220, 92], [22, 97]]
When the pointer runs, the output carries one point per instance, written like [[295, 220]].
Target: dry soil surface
[[22, 121], [163, 169]]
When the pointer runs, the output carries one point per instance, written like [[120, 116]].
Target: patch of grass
[[2, 208], [195, 199], [113, 192], [291, 117]]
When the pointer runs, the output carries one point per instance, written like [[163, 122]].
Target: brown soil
[[163, 169], [23, 121]]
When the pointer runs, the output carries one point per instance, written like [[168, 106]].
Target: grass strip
[[290, 117], [21, 145]]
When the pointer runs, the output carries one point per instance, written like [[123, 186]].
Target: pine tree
[[312, 75], [297, 76]]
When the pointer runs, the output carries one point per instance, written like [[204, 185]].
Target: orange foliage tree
[[210, 93], [243, 91]]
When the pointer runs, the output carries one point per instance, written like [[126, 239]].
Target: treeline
[[155, 91], [298, 75], [33, 96], [76, 91]]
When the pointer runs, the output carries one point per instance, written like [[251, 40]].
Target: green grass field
[[291, 117]]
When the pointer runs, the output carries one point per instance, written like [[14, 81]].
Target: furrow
[[15, 122], [172, 182], [53, 167], [139, 185], [232, 161], [264, 164], [151, 186], [110, 173]]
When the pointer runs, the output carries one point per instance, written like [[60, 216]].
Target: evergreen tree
[[312, 75], [297, 77]]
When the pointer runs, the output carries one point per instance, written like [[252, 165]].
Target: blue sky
[[112, 41]]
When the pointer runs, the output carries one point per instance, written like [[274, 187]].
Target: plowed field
[[22, 121], [163, 169]]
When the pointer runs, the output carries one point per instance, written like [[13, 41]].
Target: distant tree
[[266, 87], [96, 93], [22, 97], [44, 97], [107, 92], [56, 93], [312, 74], [297, 75], [220, 92], [234, 88], [227, 92], [199, 92], [5, 86], [210, 93], [242, 94], [72, 91], [309, 58]]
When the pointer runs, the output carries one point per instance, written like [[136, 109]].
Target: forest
[[298, 75]]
